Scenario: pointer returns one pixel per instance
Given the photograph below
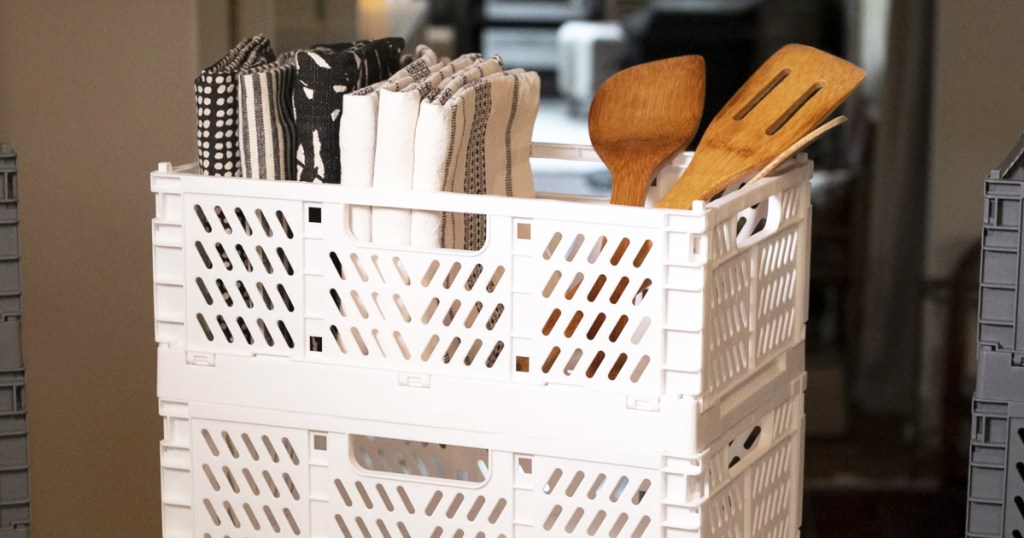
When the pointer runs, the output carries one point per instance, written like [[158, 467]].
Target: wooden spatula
[[783, 101], [642, 116]]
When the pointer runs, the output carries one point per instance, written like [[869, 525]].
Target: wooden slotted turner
[[781, 103], [641, 116]]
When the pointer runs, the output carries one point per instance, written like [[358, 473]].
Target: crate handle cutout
[[759, 220], [380, 455], [748, 447], [458, 231]]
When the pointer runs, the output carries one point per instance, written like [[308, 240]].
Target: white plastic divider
[[648, 304]]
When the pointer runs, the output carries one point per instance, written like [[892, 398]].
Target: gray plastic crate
[[1000, 375], [14, 487], [995, 494], [10, 285], [10, 346], [10, 264], [1000, 305]]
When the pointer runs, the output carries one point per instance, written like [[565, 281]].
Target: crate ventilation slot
[[374, 299], [595, 503], [597, 286], [249, 483], [247, 292]]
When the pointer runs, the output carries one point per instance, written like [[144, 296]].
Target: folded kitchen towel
[[478, 70], [398, 108], [357, 137], [477, 142], [435, 128], [425, 62], [515, 101], [393, 161], [323, 76], [425, 225], [431, 142], [266, 122], [217, 108], [439, 75]]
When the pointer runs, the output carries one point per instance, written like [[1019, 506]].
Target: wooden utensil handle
[[630, 184], [807, 140]]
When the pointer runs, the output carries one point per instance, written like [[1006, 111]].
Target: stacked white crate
[[312, 385]]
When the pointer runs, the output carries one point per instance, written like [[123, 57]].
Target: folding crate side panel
[[1000, 306], [14, 489], [230, 471], [10, 269], [995, 505]]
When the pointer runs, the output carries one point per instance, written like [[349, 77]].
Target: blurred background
[[93, 94]]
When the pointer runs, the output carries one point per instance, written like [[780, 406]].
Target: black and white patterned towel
[[217, 108], [323, 76], [266, 119], [425, 62]]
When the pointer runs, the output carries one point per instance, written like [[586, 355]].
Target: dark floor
[[882, 514], [874, 483], [874, 453]]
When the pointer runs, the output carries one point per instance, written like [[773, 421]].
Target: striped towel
[[266, 120], [439, 74], [479, 69], [217, 109], [479, 143]]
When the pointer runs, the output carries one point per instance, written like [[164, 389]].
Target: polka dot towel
[[217, 106]]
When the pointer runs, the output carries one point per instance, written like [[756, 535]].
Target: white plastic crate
[[641, 304], [615, 338], [230, 472]]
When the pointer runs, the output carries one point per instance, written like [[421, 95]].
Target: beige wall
[[92, 95], [977, 115]]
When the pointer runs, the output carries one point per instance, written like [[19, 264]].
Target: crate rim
[[196, 183]]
